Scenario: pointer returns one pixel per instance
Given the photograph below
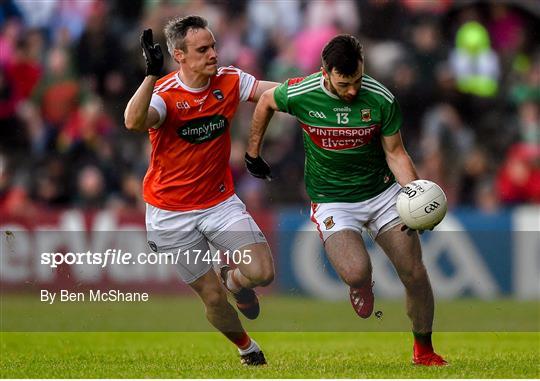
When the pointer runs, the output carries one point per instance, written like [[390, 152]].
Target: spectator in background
[[99, 55], [506, 28], [58, 93], [91, 191], [87, 126], [474, 63], [445, 141], [54, 98], [50, 186], [426, 49], [475, 178], [24, 69], [268, 17], [13, 197], [518, 180], [9, 33], [372, 12], [323, 20], [526, 87], [129, 199]]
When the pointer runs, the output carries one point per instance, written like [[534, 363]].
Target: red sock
[[240, 339], [422, 344]]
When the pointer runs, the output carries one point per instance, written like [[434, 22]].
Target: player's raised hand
[[152, 53], [257, 167]]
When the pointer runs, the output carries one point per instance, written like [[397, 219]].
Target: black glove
[[257, 167], [152, 53]]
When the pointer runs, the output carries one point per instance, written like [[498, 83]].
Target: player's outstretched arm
[[261, 117], [138, 116], [262, 87], [398, 159], [264, 110]]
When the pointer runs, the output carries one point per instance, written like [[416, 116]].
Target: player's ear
[[179, 55], [324, 73]]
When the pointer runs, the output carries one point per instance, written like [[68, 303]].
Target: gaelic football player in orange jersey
[[188, 188]]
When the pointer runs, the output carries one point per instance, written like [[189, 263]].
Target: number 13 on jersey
[[342, 117]]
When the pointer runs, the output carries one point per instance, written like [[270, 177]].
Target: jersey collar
[[326, 91], [191, 89]]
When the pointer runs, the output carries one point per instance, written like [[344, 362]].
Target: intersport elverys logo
[[204, 129]]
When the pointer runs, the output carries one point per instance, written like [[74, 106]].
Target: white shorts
[[376, 215], [227, 226]]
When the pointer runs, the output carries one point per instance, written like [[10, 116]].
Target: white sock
[[253, 347], [231, 284]]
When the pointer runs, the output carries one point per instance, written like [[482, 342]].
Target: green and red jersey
[[345, 161]]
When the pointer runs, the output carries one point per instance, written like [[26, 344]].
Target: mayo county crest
[[366, 115]]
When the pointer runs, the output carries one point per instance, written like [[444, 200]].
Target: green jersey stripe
[[296, 90], [307, 90], [368, 88], [378, 85]]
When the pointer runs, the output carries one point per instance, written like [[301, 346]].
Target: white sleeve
[[247, 83], [159, 104]]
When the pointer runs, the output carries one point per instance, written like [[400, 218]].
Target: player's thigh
[[403, 249], [194, 261], [175, 233], [244, 245], [168, 230], [383, 215], [229, 227], [347, 253]]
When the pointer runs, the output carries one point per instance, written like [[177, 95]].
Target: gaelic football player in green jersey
[[355, 167]]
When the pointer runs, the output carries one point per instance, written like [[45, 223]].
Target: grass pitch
[[289, 355], [485, 341]]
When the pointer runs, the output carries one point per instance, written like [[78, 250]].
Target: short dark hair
[[177, 28], [342, 53]]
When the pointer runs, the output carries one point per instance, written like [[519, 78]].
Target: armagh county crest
[[329, 222], [218, 94], [366, 115]]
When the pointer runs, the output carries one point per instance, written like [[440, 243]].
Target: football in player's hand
[[421, 204]]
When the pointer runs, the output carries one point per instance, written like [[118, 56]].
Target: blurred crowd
[[466, 75]]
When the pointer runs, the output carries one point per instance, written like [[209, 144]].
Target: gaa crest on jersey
[[366, 115], [218, 94], [329, 222], [200, 130]]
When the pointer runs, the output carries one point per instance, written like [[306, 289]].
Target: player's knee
[[267, 277], [262, 275], [357, 279], [214, 299], [415, 278]]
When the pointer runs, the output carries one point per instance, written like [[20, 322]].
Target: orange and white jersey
[[189, 165]]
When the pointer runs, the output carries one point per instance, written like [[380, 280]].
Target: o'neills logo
[[341, 138], [203, 129]]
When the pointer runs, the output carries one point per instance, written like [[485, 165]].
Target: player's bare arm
[[264, 111], [261, 88], [398, 159], [139, 116]]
